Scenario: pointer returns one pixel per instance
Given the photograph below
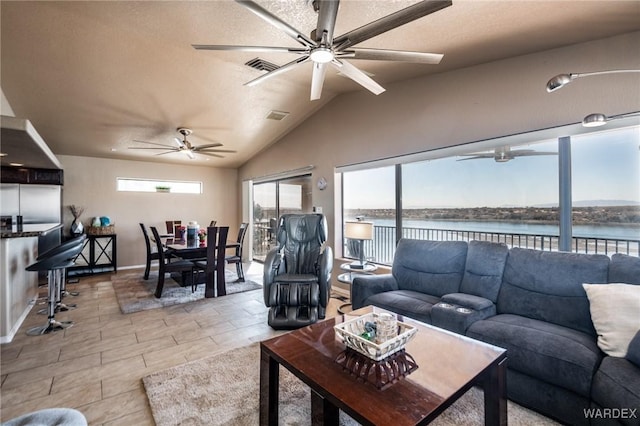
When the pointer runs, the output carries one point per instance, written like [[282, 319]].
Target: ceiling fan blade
[[231, 151], [208, 154], [327, 15], [209, 145], [277, 71], [189, 153], [528, 154], [477, 157], [154, 143], [389, 22], [167, 152], [165, 148], [277, 22], [269, 49], [392, 55], [317, 80], [358, 76]]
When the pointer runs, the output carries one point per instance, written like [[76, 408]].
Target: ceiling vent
[[261, 65], [277, 115]]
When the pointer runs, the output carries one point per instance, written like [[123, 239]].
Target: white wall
[[91, 183], [481, 102]]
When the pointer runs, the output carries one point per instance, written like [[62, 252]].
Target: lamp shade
[[358, 230]]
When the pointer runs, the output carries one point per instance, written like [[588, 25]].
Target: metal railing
[[382, 248]]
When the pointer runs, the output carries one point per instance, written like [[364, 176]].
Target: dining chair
[[169, 224], [237, 256], [163, 264], [213, 265], [152, 253]]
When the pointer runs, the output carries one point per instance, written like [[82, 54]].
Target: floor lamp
[[359, 231]]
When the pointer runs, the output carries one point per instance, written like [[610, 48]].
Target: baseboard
[[14, 330]]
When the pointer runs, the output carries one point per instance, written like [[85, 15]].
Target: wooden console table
[[98, 255]]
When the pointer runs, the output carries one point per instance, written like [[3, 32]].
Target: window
[[606, 190], [151, 185], [273, 199], [370, 195], [489, 195], [510, 194]]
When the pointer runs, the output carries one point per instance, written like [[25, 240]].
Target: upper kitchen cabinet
[[31, 176]]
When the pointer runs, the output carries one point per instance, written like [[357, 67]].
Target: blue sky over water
[[605, 166]]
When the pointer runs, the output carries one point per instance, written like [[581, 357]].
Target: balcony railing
[[382, 248]]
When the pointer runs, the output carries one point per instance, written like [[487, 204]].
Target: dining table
[[192, 249]]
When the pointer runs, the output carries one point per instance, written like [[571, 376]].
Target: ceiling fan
[[185, 146], [505, 153], [322, 48]]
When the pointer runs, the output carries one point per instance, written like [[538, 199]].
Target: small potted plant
[[202, 235], [163, 188]]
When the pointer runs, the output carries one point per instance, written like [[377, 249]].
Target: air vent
[[261, 65], [277, 115]]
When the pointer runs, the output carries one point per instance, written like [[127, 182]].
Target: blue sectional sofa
[[532, 303]]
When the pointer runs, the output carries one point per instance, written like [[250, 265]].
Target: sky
[[605, 166]]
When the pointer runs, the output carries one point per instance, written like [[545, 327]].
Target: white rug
[[224, 390], [137, 294]]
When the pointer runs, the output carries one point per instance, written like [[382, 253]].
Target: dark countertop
[[29, 230]]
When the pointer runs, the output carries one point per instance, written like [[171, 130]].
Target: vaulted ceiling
[[93, 77]]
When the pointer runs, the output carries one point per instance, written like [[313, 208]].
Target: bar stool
[[61, 287], [53, 264]]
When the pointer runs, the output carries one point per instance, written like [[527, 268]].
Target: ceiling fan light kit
[[322, 49]]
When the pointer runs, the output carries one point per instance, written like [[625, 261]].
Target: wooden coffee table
[[448, 366]]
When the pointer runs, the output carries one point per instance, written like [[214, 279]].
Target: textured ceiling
[[93, 77]]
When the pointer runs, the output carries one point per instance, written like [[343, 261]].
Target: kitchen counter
[[19, 287], [29, 230]]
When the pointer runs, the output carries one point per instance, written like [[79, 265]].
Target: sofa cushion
[[413, 304], [555, 354], [483, 269], [624, 269], [615, 311], [547, 286], [431, 267], [616, 384]]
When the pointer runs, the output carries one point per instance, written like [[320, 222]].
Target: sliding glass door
[[273, 199]]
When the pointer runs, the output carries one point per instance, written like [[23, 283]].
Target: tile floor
[[97, 365]]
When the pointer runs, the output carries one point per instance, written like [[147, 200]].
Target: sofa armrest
[[364, 286], [457, 311], [633, 353], [470, 301]]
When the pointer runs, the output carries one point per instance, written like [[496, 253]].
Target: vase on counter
[[76, 227]]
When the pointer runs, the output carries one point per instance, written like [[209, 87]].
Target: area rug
[[224, 390], [137, 294]]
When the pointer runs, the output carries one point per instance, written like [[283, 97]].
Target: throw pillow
[[615, 312]]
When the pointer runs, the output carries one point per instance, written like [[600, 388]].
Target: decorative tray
[[351, 334]]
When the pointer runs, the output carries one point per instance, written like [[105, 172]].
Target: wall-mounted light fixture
[[562, 80], [599, 119]]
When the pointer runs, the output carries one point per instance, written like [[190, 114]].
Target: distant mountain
[[592, 203]]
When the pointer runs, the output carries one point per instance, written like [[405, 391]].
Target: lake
[[595, 231]]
